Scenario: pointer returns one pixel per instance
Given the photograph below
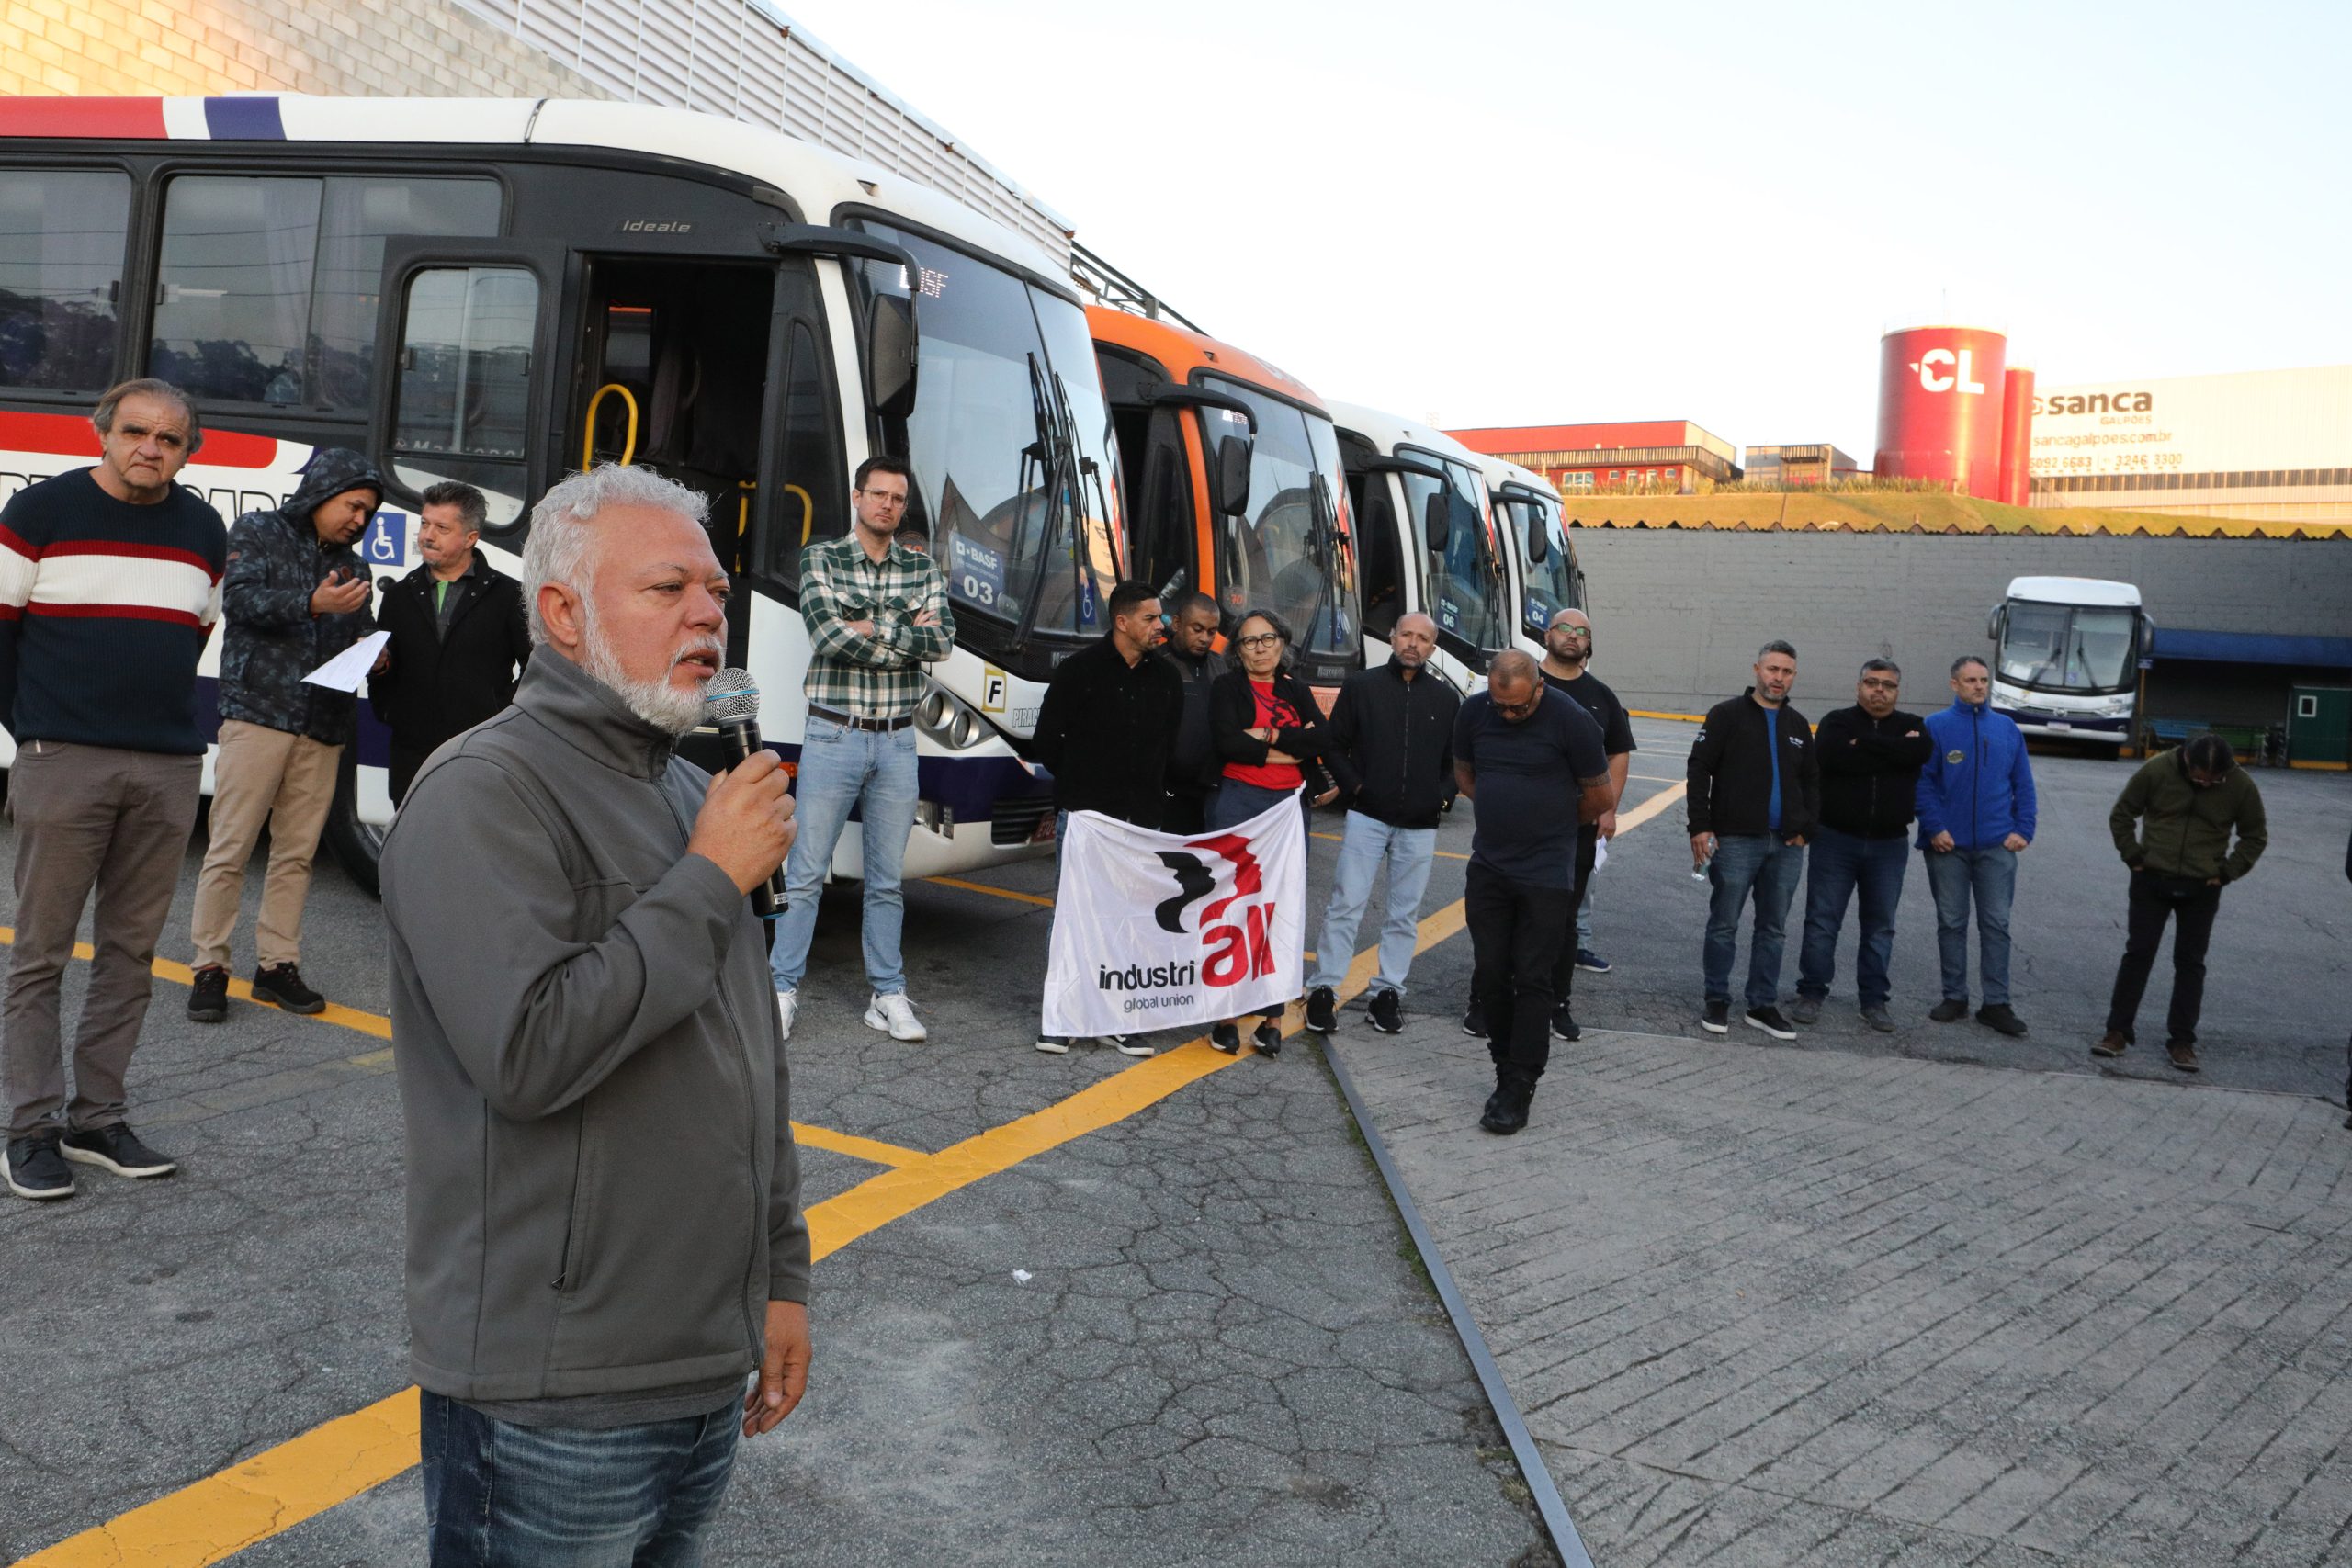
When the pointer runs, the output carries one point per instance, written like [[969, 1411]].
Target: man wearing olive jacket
[[604, 1230], [2172, 826]]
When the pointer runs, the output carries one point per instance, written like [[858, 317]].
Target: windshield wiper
[[1321, 542], [1053, 460]]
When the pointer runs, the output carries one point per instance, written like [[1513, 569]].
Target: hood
[[329, 472]]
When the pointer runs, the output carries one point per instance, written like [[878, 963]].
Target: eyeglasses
[[1518, 710], [1879, 685], [883, 497], [1573, 631], [1261, 641]]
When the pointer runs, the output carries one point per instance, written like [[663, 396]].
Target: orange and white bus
[[1234, 486]]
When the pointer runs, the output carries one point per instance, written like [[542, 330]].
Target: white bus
[[1545, 575], [2067, 654], [502, 292], [1426, 540]]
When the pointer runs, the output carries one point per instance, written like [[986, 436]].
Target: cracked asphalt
[[1225, 1352]]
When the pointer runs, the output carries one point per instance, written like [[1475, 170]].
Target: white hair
[[563, 530], [563, 526]]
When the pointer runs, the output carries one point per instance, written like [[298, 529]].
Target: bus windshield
[[1016, 477], [1466, 580], [2067, 647], [1288, 553], [1552, 581]]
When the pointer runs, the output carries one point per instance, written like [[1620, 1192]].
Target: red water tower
[[1939, 396], [2016, 437]]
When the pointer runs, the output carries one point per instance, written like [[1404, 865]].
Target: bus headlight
[[949, 720]]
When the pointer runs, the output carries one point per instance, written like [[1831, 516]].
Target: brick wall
[[365, 47], [1678, 614]]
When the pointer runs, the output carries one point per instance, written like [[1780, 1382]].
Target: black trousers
[[1184, 813], [2191, 905], [1516, 931], [1564, 968]]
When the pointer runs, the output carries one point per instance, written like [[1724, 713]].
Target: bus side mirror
[[1994, 619], [1538, 544], [1434, 514], [892, 347], [1233, 476]]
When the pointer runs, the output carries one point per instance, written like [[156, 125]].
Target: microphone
[[732, 702]]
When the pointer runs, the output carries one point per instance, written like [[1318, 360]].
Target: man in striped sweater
[[109, 585]]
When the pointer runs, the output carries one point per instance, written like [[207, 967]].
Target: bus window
[[60, 274], [267, 288], [462, 407], [1465, 591]]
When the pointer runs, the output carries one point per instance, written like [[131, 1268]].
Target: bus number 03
[[978, 590]]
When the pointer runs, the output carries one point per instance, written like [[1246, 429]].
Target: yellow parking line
[[181, 974], [868, 1149], [1037, 899], [1441, 854], [274, 1491]]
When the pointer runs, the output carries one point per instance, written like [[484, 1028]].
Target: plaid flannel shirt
[[880, 676]]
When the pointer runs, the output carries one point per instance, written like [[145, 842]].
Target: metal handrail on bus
[[588, 435]]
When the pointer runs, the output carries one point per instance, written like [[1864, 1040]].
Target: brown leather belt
[[879, 726]]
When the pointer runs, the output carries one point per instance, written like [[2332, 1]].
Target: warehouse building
[[1664, 456]]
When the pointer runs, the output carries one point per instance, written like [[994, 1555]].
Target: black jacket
[[1869, 771], [1105, 730], [436, 686], [1730, 772], [1397, 737], [1193, 761], [1233, 713], [276, 562]]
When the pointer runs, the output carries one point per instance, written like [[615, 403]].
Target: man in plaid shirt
[[877, 614]]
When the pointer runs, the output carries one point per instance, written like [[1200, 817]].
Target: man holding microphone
[[604, 1230]]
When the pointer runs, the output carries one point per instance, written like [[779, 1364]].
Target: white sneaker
[[1128, 1046], [896, 1014], [788, 1003], [1054, 1044]]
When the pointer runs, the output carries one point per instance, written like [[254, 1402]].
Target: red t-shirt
[[1271, 710]]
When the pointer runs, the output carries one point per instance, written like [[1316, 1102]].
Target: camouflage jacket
[[276, 562]]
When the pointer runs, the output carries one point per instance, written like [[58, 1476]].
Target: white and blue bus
[[2067, 654], [500, 292]]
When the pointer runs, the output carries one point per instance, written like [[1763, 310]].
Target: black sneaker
[[1507, 1113], [33, 1168], [1592, 962], [208, 1002], [1386, 1013], [1268, 1038], [1717, 1019], [116, 1148], [1492, 1117], [2000, 1016], [1322, 1010], [1563, 1024], [283, 986], [1226, 1037], [1952, 1009], [1474, 1022], [1770, 1020]]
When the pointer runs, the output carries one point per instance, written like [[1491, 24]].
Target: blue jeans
[[1989, 878], [873, 774], [1744, 863], [1584, 914], [1368, 844], [1837, 866], [502, 1495]]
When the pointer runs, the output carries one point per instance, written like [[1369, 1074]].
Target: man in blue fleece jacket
[[1976, 815]]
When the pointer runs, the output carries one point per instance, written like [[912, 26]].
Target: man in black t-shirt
[[1522, 753], [1568, 649]]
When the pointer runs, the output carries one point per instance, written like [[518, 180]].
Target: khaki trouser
[[88, 815], [262, 776]]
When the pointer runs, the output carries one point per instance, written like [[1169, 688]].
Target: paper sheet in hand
[[347, 670]]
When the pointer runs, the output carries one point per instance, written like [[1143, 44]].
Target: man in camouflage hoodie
[[294, 596]]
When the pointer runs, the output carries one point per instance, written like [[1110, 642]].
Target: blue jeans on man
[[1768, 867], [1838, 866], [1365, 847], [1988, 879], [500, 1494], [872, 773]]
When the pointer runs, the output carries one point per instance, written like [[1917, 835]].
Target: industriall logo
[[2095, 402], [1235, 931]]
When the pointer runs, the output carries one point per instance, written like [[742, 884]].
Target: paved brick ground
[[1767, 1305]]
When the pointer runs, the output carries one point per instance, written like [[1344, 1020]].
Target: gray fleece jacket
[[603, 1192]]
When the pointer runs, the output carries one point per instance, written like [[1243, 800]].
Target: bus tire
[[357, 845]]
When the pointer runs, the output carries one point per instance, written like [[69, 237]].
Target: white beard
[[658, 703]]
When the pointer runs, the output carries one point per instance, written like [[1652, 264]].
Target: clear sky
[[1492, 212]]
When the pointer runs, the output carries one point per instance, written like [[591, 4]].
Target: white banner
[[1165, 931]]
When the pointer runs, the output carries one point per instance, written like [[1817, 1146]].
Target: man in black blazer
[[460, 635]]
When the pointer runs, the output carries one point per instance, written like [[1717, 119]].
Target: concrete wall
[[1678, 613]]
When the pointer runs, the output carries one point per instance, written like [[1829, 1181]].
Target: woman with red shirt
[[1269, 728]]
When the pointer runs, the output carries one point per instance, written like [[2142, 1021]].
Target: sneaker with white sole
[[1130, 1045], [118, 1149], [1054, 1044], [787, 1007], [895, 1014]]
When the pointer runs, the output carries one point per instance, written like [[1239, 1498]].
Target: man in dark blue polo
[[1535, 764]]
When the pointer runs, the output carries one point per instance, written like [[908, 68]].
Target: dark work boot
[[208, 1001], [282, 984]]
